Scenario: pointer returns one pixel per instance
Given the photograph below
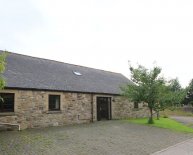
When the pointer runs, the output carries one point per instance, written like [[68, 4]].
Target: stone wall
[[122, 108], [31, 109]]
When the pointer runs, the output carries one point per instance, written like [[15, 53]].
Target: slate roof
[[26, 72]]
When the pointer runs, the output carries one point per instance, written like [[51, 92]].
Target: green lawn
[[164, 123]]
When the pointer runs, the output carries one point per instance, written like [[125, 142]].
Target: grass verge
[[175, 112], [164, 123]]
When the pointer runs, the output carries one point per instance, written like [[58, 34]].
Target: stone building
[[41, 93]]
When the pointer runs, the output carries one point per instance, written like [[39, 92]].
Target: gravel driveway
[[100, 138], [184, 119]]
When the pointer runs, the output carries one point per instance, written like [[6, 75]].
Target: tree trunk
[[150, 121], [157, 115]]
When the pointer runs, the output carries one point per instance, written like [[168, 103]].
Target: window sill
[[7, 114], [54, 112]]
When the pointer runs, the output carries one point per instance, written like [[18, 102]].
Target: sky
[[103, 34]]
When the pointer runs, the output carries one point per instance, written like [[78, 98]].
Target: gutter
[[66, 91]]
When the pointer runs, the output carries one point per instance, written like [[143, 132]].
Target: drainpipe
[[19, 128], [91, 107]]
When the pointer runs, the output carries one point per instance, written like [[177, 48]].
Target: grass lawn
[[164, 123]]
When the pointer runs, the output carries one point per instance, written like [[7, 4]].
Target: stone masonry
[[31, 108]]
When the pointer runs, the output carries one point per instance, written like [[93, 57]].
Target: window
[[54, 102], [7, 102], [136, 105]]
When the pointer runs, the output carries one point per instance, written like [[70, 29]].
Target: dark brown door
[[103, 108]]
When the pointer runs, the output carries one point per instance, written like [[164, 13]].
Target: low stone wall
[[122, 108], [31, 109]]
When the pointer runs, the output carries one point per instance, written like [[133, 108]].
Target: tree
[[147, 87], [175, 85], [163, 99], [189, 94], [172, 95], [2, 68], [177, 92]]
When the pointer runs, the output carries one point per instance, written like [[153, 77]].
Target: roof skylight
[[77, 73]]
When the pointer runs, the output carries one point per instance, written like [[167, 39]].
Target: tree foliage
[[188, 99], [177, 93], [149, 87], [2, 68], [175, 85]]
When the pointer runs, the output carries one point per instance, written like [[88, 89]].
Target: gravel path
[[100, 138], [184, 119]]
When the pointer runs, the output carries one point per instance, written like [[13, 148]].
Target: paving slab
[[116, 137], [183, 148]]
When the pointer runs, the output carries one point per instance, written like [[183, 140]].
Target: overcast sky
[[103, 34]]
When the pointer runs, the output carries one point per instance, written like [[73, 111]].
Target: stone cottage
[[41, 93]]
